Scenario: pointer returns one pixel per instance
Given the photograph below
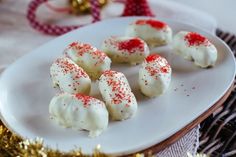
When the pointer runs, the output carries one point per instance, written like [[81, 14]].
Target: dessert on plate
[[92, 60], [153, 32], [154, 76], [79, 112], [116, 92], [196, 47], [69, 77], [131, 50]]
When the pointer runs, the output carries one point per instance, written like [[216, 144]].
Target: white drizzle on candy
[[154, 76]]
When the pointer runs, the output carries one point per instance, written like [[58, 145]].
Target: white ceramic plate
[[26, 90]]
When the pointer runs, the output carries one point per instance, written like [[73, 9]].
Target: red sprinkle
[[68, 67], [130, 45], [101, 55], [157, 65], [109, 73], [195, 39], [73, 44], [119, 87], [83, 48], [165, 69], [152, 57], [84, 98], [152, 70], [153, 23]]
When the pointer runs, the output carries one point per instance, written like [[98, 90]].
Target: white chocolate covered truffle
[[79, 112], [116, 92], [92, 60], [153, 32], [69, 76], [194, 46], [131, 50], [154, 76]]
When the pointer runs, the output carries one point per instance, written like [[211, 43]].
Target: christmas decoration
[[137, 8], [54, 29], [13, 145], [84, 6], [132, 8]]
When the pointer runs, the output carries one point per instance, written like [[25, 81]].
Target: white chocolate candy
[[79, 112], [69, 77], [125, 49], [154, 76], [153, 32], [93, 61], [193, 46], [117, 94]]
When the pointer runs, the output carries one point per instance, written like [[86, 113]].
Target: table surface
[[223, 11]]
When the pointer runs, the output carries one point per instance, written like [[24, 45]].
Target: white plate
[[26, 90]]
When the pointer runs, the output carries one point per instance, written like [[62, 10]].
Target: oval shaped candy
[[154, 76], [79, 112], [125, 49], [69, 76], [116, 92], [153, 32], [92, 60], [196, 47]]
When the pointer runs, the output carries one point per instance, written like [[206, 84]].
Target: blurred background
[[223, 10]]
